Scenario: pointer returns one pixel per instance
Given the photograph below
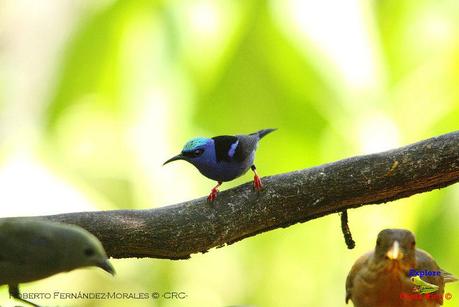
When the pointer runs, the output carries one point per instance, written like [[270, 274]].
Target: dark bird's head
[[81, 249], [198, 151], [396, 248]]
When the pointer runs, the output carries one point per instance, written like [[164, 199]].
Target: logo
[[427, 296], [421, 286], [414, 272], [423, 290]]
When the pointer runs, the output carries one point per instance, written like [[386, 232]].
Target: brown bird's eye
[[378, 242], [89, 252], [413, 244], [198, 152]]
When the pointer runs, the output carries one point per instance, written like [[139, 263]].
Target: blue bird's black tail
[[264, 132]]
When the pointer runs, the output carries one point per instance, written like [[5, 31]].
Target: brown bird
[[380, 278]]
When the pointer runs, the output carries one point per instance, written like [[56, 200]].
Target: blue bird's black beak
[[177, 157]]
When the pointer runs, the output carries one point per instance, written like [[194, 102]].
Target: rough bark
[[177, 231]]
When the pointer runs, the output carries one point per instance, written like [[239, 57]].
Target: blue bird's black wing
[[237, 148], [248, 144], [223, 144]]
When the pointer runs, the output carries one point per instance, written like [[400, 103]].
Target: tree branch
[[177, 231]]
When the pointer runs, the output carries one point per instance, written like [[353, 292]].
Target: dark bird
[[33, 249], [223, 158], [381, 278]]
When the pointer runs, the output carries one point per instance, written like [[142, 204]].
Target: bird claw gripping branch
[[257, 183], [213, 193]]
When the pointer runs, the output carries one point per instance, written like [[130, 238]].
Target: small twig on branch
[[346, 231], [177, 231]]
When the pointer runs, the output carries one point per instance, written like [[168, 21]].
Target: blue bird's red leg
[[256, 180], [213, 194]]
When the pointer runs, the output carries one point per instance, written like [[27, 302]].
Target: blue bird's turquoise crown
[[195, 143]]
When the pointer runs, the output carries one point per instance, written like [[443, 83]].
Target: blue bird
[[223, 158]]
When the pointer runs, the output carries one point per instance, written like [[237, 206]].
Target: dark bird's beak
[[107, 267], [394, 252], [177, 157]]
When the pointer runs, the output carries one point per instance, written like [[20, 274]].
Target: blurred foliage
[[136, 79]]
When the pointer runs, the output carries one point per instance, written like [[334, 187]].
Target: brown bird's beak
[[177, 157], [394, 252], [107, 267]]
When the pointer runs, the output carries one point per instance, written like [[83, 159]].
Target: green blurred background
[[95, 95]]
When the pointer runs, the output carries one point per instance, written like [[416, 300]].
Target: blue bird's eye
[[193, 154], [197, 152]]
